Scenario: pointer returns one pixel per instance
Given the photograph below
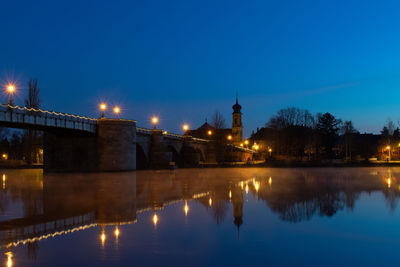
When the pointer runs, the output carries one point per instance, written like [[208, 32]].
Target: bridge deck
[[24, 117]]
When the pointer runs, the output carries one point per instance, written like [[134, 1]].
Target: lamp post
[[185, 128], [11, 90], [103, 108], [270, 151], [154, 120], [117, 110], [388, 148]]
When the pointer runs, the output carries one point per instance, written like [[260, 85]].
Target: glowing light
[[165, 132], [117, 110], [209, 132], [229, 137], [11, 88], [389, 182], [270, 150], [241, 144], [4, 181], [257, 186], [210, 201], [246, 142], [270, 181], [4, 156], [103, 238], [247, 188], [388, 147], [186, 208], [116, 232], [230, 194], [155, 219], [9, 259], [241, 185], [154, 120], [103, 106], [185, 127]]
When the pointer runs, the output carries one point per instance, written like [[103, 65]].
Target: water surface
[[198, 217]]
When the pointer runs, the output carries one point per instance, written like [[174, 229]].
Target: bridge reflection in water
[[52, 205]]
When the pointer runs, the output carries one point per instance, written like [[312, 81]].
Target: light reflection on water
[[200, 217]]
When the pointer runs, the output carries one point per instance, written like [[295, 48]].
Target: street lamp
[[270, 151], [117, 110], [246, 142], [209, 132], [388, 148], [103, 108], [11, 90], [229, 137], [185, 127], [154, 120]]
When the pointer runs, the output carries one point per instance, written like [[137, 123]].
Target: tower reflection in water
[[59, 204]]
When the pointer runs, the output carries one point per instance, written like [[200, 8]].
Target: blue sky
[[182, 60]]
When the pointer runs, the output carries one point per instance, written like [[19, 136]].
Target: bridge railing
[[243, 148], [169, 135], [144, 130], [24, 115]]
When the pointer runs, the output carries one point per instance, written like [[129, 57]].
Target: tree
[[33, 100], [218, 121], [31, 136], [348, 131], [328, 126]]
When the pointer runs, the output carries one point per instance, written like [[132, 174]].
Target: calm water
[[235, 217]]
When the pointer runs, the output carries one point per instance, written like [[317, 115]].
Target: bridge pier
[[160, 157], [112, 149], [116, 142]]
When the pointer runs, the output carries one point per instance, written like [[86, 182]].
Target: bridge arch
[[190, 156], [142, 161], [175, 154]]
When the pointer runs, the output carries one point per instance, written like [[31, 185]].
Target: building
[[233, 135]]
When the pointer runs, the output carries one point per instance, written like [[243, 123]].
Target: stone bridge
[[77, 143]]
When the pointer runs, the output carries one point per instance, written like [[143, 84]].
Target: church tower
[[237, 126]]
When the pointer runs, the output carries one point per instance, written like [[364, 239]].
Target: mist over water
[[197, 217]]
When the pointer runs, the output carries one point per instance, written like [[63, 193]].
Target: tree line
[[297, 134]]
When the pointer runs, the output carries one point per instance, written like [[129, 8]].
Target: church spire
[[237, 102]]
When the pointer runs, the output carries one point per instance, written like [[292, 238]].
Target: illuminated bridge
[[77, 143]]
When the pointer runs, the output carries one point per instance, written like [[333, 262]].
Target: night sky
[[182, 60]]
